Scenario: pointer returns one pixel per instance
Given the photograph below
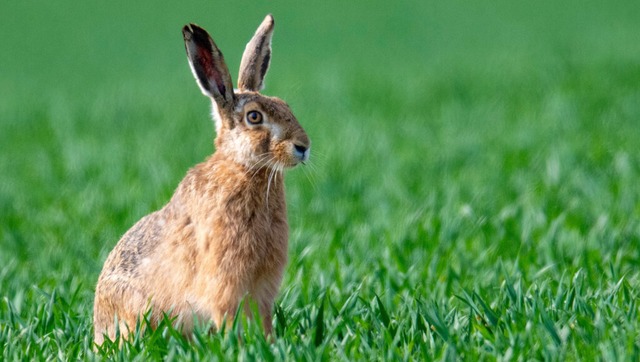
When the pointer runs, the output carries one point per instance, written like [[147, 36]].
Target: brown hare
[[223, 236]]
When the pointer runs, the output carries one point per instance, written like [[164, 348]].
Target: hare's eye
[[254, 117]]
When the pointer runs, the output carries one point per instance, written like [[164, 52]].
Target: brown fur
[[223, 235]]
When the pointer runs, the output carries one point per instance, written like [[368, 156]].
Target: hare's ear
[[256, 57], [208, 66]]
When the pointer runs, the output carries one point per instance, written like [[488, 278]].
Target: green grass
[[473, 191]]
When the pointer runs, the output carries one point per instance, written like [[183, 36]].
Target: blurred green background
[[456, 145], [94, 43]]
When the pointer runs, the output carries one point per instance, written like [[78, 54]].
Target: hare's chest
[[252, 235]]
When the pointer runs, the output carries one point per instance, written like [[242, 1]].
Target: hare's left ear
[[256, 58]]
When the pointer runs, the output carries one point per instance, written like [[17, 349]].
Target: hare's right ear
[[256, 58], [208, 66]]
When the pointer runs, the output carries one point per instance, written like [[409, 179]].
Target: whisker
[[319, 158], [263, 160], [308, 172], [271, 175], [312, 166]]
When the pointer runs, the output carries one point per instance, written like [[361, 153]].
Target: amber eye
[[254, 117]]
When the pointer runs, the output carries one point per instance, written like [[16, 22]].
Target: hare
[[223, 236]]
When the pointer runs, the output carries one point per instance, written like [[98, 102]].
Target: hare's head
[[252, 129]]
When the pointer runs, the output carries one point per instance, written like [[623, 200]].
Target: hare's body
[[201, 253], [223, 235]]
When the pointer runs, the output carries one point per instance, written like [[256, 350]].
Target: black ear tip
[[195, 33], [187, 32], [193, 29]]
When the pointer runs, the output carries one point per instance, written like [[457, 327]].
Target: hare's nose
[[300, 148], [302, 152]]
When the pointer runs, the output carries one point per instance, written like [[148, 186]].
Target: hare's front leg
[[264, 293], [224, 300], [225, 312], [266, 308]]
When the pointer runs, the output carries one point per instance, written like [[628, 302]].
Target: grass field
[[473, 191]]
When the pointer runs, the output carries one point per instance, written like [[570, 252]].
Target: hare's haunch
[[223, 235]]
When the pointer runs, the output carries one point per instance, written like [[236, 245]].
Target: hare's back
[[136, 245]]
